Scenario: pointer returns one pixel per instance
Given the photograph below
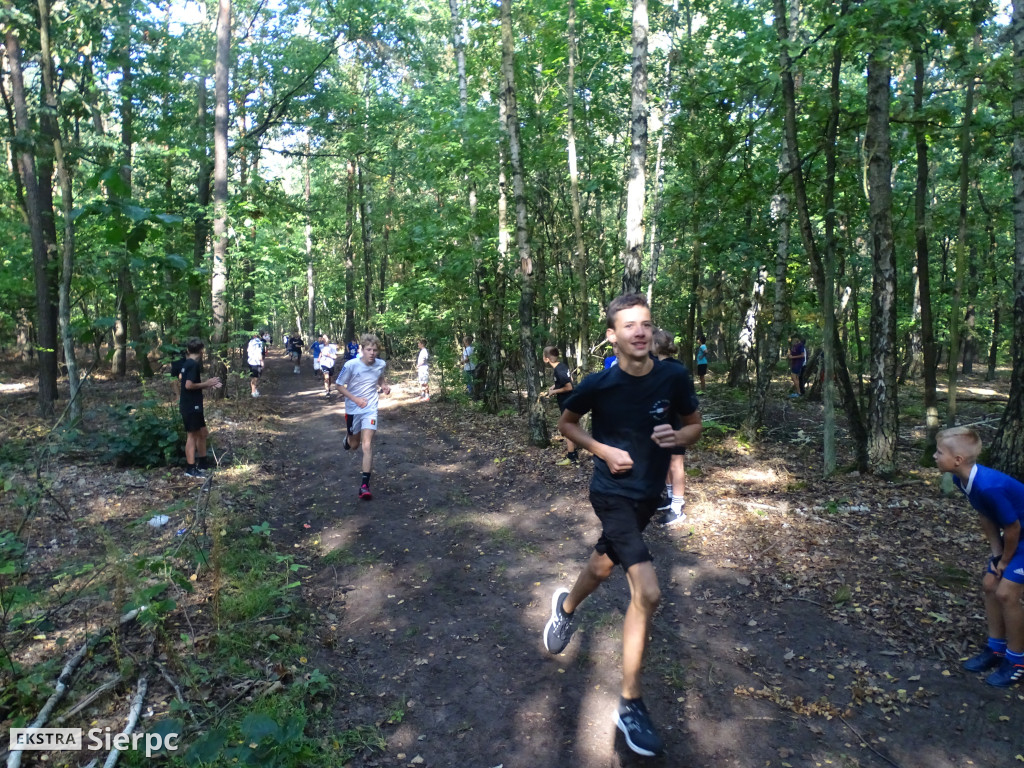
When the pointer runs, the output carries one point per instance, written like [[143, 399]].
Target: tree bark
[[580, 277], [46, 326], [537, 424], [310, 284], [636, 177], [1007, 451], [366, 227], [219, 282], [67, 206], [201, 223], [350, 257], [883, 424]]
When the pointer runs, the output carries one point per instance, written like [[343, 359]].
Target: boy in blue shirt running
[[999, 500]]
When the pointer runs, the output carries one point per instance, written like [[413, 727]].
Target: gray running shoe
[[632, 719], [558, 631]]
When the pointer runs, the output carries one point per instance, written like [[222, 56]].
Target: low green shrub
[[145, 434]]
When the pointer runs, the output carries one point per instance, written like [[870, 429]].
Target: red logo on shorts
[[373, 422]]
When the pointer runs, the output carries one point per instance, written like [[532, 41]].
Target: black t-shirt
[[562, 378], [296, 343], [625, 411], [191, 399]]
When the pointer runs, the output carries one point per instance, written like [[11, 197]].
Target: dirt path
[[429, 602]]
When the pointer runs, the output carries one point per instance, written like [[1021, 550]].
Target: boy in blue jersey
[[641, 409], [999, 500]]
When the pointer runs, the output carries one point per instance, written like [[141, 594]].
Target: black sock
[[366, 478], [203, 462], [190, 467], [572, 455]]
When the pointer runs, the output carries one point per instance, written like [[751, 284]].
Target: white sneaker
[[296, 369], [255, 394]]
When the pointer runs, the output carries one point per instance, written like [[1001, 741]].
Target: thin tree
[[579, 264], [883, 422], [201, 222], [219, 282], [636, 176], [537, 423], [46, 316], [67, 209]]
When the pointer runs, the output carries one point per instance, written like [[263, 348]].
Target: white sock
[[678, 502]]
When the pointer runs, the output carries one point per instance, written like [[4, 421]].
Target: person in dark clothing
[[641, 409], [190, 404], [561, 389]]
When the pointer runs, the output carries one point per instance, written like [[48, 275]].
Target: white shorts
[[360, 421], [423, 374]]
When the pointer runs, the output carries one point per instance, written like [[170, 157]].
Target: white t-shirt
[[467, 353], [254, 352], [361, 381], [328, 354], [422, 358]]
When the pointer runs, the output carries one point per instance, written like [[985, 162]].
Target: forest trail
[[428, 603]]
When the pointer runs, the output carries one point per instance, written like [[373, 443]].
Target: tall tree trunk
[[366, 227], [994, 269], [310, 285], [858, 432], [1007, 451], [883, 423], [659, 162], [46, 326], [636, 178], [579, 264], [201, 223], [738, 371], [219, 282], [67, 205], [955, 320], [350, 256], [537, 423]]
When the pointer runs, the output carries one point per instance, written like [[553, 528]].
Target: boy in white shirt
[[359, 381], [328, 354], [254, 357], [423, 369]]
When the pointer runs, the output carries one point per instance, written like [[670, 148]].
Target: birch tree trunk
[[537, 423], [883, 424], [310, 284], [579, 266], [366, 228], [219, 282], [636, 177], [350, 256], [1007, 451]]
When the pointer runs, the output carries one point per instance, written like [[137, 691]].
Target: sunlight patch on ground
[[749, 476]]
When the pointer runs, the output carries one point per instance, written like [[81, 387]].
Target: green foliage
[[147, 434]]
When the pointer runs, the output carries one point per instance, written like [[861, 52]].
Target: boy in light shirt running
[[359, 382]]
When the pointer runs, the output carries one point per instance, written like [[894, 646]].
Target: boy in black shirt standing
[[191, 406], [641, 409], [561, 389]]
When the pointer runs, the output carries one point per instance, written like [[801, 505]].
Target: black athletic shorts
[[193, 420], [702, 368], [255, 371], [623, 521], [327, 371]]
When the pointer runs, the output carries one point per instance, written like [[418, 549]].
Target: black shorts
[[255, 371], [623, 521], [702, 368], [193, 420], [327, 371], [680, 451]]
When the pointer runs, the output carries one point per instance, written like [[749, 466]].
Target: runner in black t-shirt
[[561, 389], [190, 403], [641, 409]]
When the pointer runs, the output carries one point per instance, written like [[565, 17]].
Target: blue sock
[[997, 645], [1016, 659]]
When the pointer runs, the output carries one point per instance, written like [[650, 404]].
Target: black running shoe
[[632, 719], [984, 661], [558, 631]]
